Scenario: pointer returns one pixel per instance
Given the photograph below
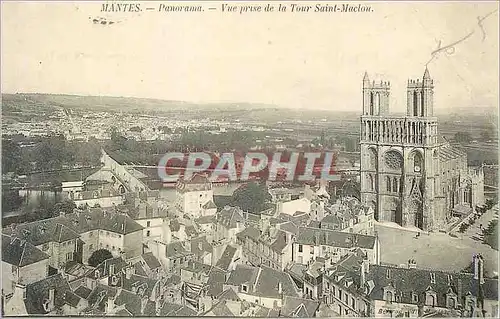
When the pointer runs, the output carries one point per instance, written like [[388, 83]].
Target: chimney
[[144, 302], [110, 304], [21, 290], [481, 269], [280, 288], [363, 272], [158, 304], [52, 296], [475, 261], [412, 264]]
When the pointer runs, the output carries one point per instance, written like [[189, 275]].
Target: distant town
[[408, 229]]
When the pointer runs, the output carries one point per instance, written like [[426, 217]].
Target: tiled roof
[[215, 283], [229, 294], [230, 217], [448, 152], [226, 258], [68, 227], [268, 280], [221, 310], [291, 306], [99, 296], [418, 281], [191, 231], [205, 220], [83, 292], [243, 274], [44, 231], [200, 246], [104, 268], [38, 292], [19, 252], [250, 231], [196, 183], [176, 249], [209, 205], [326, 237], [151, 260]]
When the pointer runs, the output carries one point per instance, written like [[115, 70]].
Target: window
[[90, 234], [300, 248], [388, 274], [433, 278], [388, 183], [107, 233], [148, 233], [244, 288], [414, 297], [148, 224], [388, 296], [113, 247], [69, 256], [91, 247], [451, 303], [430, 300], [395, 186], [45, 247]]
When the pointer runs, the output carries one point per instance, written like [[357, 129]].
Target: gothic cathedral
[[410, 175]]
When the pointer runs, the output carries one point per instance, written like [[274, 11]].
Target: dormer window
[[414, 298], [46, 305], [389, 296], [244, 288], [430, 298], [451, 302]]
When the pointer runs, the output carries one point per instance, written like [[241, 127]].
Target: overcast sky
[[298, 60]]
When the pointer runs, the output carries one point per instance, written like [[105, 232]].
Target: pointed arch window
[[388, 183], [422, 104], [395, 185], [377, 103], [417, 162], [372, 98], [415, 103]]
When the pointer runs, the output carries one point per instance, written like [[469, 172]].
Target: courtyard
[[438, 251]]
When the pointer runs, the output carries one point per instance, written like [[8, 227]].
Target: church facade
[[410, 175]]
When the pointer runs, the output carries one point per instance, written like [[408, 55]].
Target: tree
[[490, 234], [486, 135], [99, 256], [252, 197], [462, 137], [66, 206]]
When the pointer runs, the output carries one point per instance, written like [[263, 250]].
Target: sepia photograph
[[266, 159]]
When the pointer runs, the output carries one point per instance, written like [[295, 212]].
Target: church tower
[[399, 157]]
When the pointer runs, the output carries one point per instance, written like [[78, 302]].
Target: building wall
[[382, 309], [152, 228], [112, 241], [101, 201], [192, 202], [262, 301], [310, 253], [132, 244], [59, 253], [91, 240]]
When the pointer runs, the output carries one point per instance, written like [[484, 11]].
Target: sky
[[296, 60]]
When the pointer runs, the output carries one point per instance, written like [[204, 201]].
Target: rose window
[[393, 160]]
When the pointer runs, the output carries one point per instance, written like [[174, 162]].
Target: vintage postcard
[[250, 158]]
